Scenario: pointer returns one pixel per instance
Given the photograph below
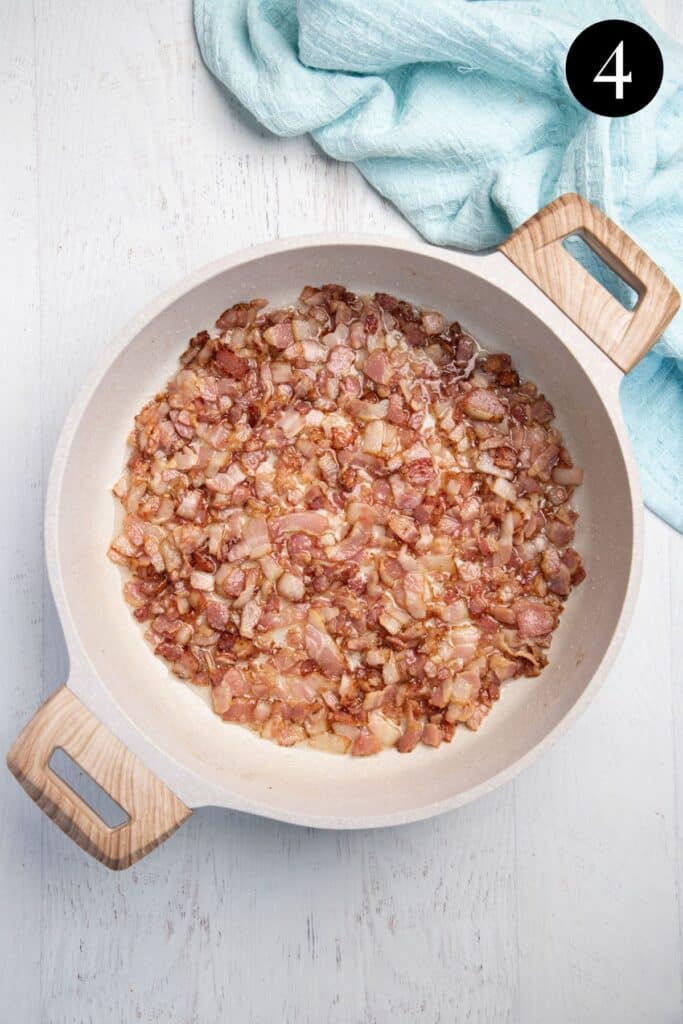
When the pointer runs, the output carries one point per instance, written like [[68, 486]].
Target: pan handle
[[154, 812], [624, 335]]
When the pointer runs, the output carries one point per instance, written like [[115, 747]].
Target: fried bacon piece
[[348, 523]]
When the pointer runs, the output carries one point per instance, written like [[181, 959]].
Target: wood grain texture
[[154, 812], [21, 554], [556, 899], [624, 335]]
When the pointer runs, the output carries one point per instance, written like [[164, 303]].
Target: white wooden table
[[556, 899]]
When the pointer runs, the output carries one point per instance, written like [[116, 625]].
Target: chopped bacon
[[314, 523], [481, 404], [365, 743], [544, 462], [420, 472], [377, 367], [279, 336], [411, 736], [387, 731], [542, 411], [368, 410], [503, 668], [404, 527], [559, 533], [251, 613], [221, 692], [229, 580], [231, 364], [414, 335], [240, 710], [323, 650], [465, 686], [534, 619], [431, 735], [475, 719], [188, 507], [340, 360], [355, 542], [572, 559], [349, 522], [217, 614], [225, 483], [405, 496], [256, 537], [396, 412], [411, 593], [556, 572], [387, 302], [503, 552], [239, 315], [433, 323]]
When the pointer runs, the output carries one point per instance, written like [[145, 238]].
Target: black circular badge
[[614, 68]]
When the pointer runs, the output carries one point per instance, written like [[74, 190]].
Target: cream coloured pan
[[146, 737]]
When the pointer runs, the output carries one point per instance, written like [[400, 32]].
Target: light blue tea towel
[[458, 112]]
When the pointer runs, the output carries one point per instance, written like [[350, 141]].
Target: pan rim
[[143, 744]]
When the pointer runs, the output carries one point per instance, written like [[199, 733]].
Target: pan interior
[[236, 768]]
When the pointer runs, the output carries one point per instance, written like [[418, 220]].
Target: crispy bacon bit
[[226, 482], [229, 580], [377, 367], [544, 462], [222, 691], [349, 522], [322, 649], [364, 410], [251, 613], [404, 527], [420, 472], [239, 315], [558, 576], [542, 411], [280, 335], [188, 506], [202, 580], [503, 668], [414, 335], [217, 614], [340, 360], [431, 735], [385, 729], [534, 619], [405, 496], [481, 404], [233, 365], [387, 302], [292, 587], [411, 735], [365, 744], [466, 346], [432, 323], [559, 533], [301, 522]]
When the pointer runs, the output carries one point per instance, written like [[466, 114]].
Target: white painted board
[[556, 899]]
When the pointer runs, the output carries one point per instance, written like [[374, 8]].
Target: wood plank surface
[[555, 899]]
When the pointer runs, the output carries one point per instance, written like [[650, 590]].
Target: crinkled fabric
[[458, 112]]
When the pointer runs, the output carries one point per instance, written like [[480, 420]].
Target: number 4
[[619, 78]]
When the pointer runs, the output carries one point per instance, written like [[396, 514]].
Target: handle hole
[[579, 246], [83, 785]]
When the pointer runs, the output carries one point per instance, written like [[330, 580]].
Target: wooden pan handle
[[154, 811], [624, 335]]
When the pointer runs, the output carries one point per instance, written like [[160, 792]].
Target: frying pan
[[148, 739]]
